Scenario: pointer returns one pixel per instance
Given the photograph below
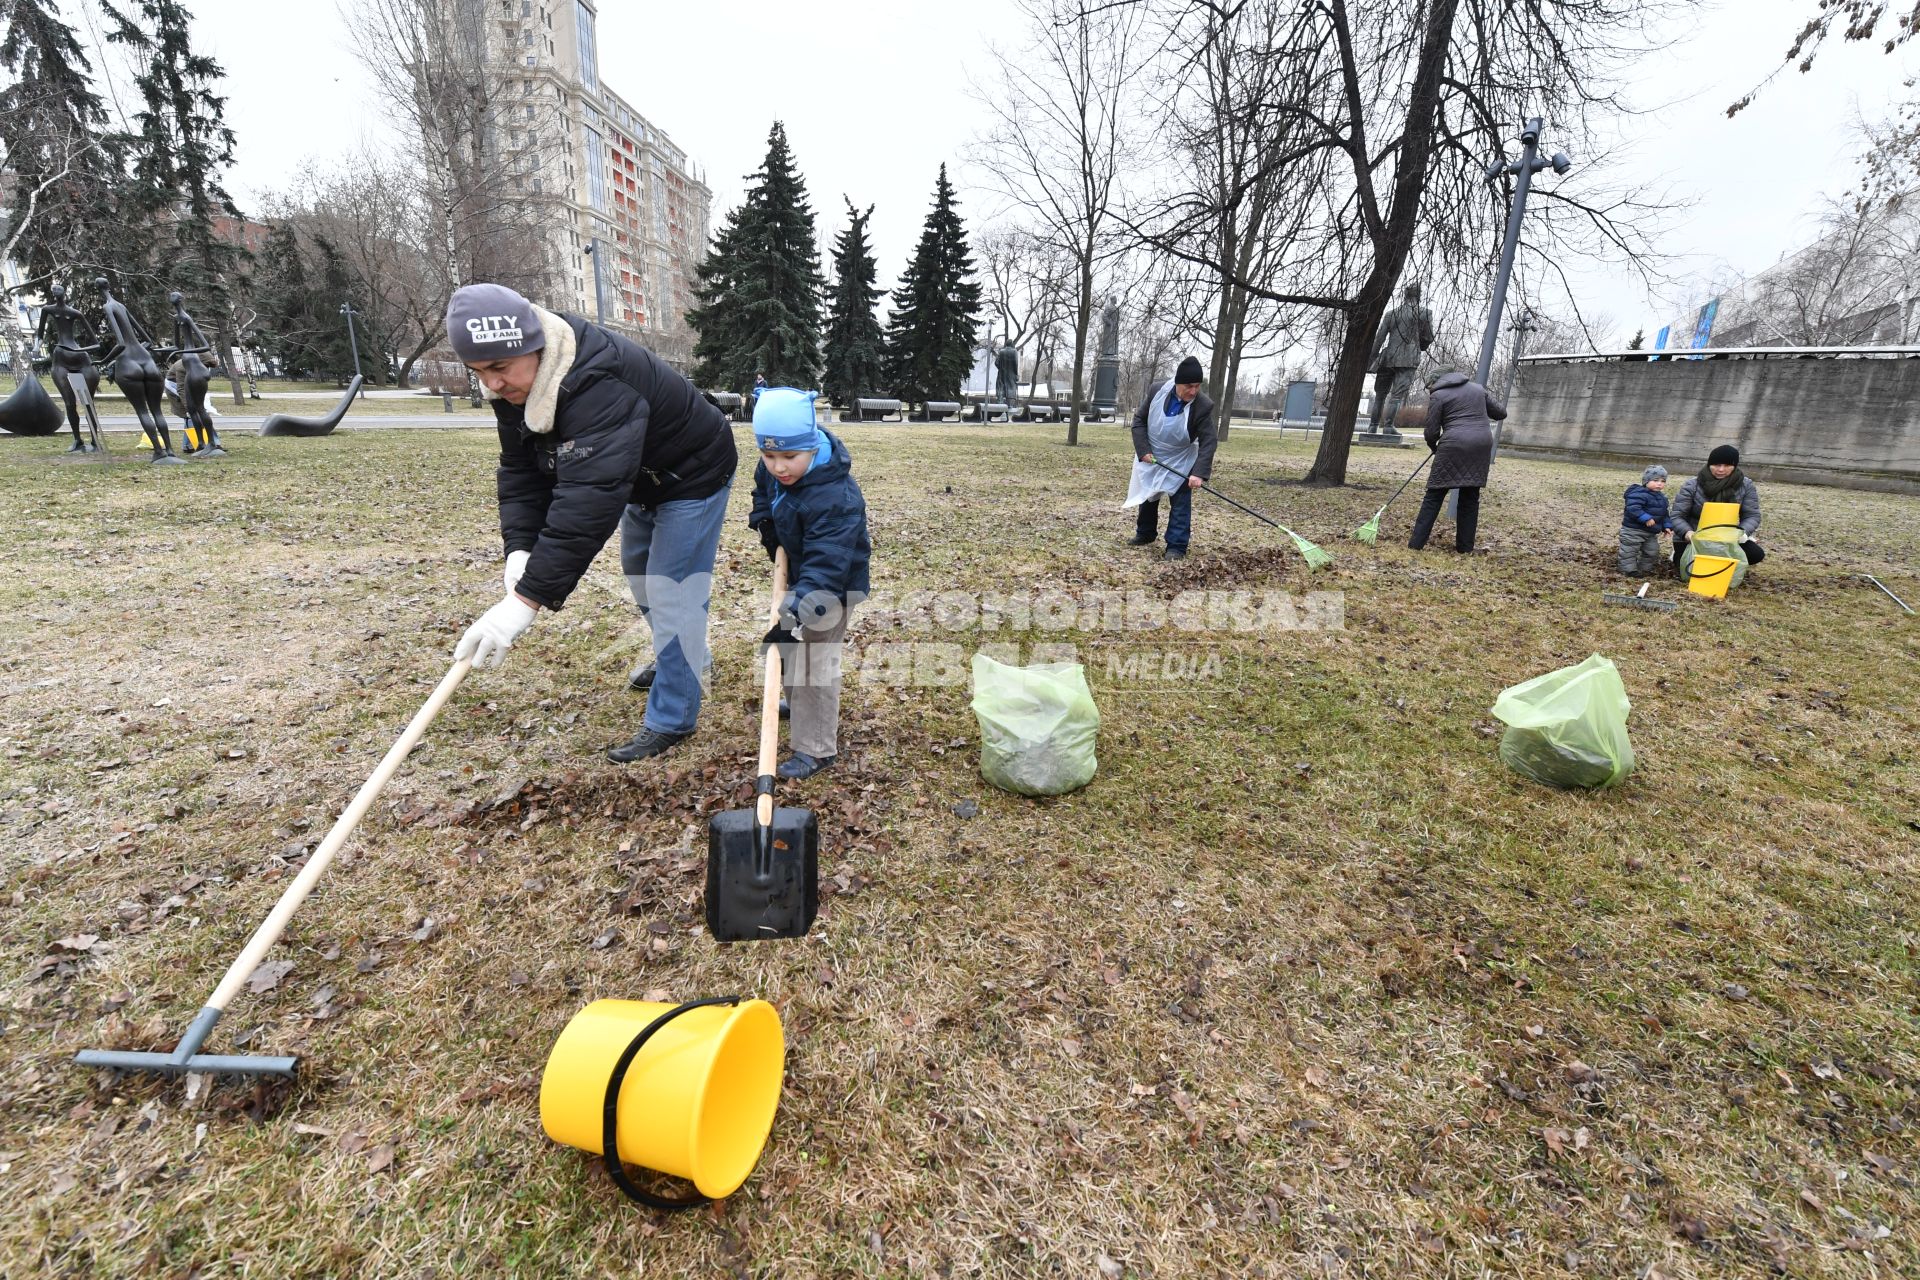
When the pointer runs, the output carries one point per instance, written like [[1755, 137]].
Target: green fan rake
[[1369, 532], [1316, 557]]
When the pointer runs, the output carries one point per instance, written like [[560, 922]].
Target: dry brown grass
[[1305, 983]]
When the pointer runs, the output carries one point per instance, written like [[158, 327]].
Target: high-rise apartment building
[[629, 212]]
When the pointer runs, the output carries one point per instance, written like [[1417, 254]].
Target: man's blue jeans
[[1179, 518], [667, 554]]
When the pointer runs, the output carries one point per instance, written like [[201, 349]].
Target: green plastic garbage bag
[[1568, 728], [1718, 541], [1037, 726]]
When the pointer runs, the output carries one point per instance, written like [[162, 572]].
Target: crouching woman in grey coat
[[1460, 418]]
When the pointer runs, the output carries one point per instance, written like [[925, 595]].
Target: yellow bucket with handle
[[1711, 575], [1719, 513], [687, 1090]]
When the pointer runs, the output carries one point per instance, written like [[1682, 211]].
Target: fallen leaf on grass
[[1879, 1164], [657, 995], [1108, 1268], [268, 976], [1556, 1140], [63, 1184], [352, 1143], [381, 1157], [1578, 1072], [1812, 1202], [1316, 1077], [78, 942], [313, 1130], [1535, 1031], [610, 938], [1734, 991]]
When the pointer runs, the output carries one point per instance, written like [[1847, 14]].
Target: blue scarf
[[822, 452]]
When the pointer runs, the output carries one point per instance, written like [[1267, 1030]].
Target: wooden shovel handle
[[296, 893], [770, 694]]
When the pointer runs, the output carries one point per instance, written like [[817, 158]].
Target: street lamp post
[[599, 287], [1523, 170], [346, 309]]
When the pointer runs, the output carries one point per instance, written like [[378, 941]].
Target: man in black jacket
[[1173, 437], [598, 433]]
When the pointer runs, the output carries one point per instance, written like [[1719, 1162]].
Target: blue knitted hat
[[783, 419]]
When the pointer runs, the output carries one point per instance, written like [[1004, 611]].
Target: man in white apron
[[1173, 444]]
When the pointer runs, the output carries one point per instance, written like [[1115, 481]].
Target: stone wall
[[1848, 422]]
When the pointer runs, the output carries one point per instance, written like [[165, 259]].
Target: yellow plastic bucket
[[697, 1099], [1719, 513], [1711, 575]]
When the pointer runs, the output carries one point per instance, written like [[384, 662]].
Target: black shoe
[[786, 712], [801, 765], [641, 680], [644, 745], [168, 459], [1176, 553], [1143, 539]]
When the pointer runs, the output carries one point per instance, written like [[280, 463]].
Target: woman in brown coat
[[1460, 418]]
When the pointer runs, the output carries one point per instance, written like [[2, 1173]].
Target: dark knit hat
[[491, 322], [1189, 371], [1724, 456]]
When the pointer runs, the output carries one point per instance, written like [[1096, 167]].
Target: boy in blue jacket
[[805, 500], [1643, 523]]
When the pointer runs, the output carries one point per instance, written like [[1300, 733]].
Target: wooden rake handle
[[296, 893], [770, 697]]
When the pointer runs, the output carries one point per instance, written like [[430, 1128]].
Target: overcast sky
[[875, 97]]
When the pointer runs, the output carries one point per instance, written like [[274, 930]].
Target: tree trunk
[[1239, 330], [224, 343], [1392, 246], [1080, 323]]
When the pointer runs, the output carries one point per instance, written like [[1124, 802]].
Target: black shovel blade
[[751, 894]]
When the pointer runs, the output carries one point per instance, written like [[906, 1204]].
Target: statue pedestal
[[1388, 439]]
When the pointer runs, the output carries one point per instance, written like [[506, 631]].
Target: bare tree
[[1852, 286], [375, 219], [489, 164], [1060, 141]]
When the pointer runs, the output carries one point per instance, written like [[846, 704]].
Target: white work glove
[[1743, 535], [488, 640], [516, 565]]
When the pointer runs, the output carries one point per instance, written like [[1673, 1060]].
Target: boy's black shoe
[[1143, 539], [641, 680], [801, 765], [1176, 553], [645, 744]]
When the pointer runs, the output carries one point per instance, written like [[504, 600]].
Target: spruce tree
[[178, 154], [936, 308], [855, 347], [59, 161], [758, 292]]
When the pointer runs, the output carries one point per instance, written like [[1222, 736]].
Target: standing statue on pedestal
[[1405, 333], [1007, 363], [191, 375], [132, 368], [72, 366], [1106, 365]]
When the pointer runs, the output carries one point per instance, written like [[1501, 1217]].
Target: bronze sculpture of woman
[[192, 377], [133, 369], [71, 360]]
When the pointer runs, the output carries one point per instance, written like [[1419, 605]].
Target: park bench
[[938, 411], [1039, 413], [980, 411], [730, 403], [874, 410]]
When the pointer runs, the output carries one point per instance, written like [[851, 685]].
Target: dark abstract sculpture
[[1405, 333], [287, 424], [30, 411], [191, 376], [1007, 362], [132, 367], [73, 368]]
